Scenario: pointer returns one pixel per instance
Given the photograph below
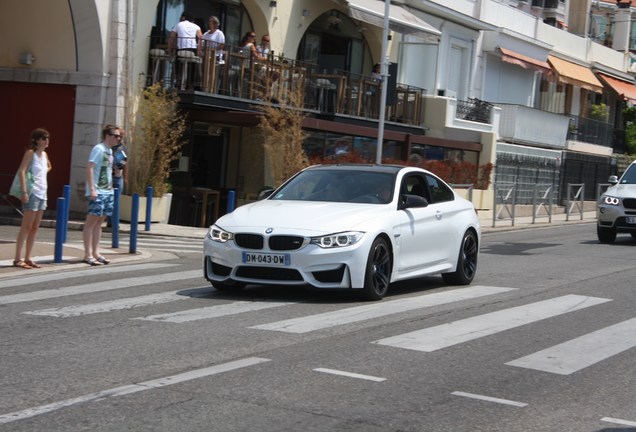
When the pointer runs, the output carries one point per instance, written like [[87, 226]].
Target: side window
[[439, 191], [415, 185]]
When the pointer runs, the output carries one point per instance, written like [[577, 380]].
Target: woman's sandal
[[103, 260], [32, 264], [22, 264], [91, 262]]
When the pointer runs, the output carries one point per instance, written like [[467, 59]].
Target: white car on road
[[359, 227], [616, 209]]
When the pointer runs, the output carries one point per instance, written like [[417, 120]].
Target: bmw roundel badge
[[269, 230]]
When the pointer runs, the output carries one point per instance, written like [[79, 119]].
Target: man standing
[[185, 37], [186, 34], [99, 191]]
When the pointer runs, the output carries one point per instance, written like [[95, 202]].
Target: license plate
[[631, 219], [267, 259]]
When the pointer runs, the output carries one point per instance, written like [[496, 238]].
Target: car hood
[[300, 217], [622, 190]]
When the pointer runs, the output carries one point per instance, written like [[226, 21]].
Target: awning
[[623, 88], [572, 73], [525, 62], [400, 20]]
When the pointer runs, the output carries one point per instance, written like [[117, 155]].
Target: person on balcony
[[263, 48], [214, 38], [248, 45], [184, 38]]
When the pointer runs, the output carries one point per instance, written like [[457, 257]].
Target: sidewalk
[[72, 254]]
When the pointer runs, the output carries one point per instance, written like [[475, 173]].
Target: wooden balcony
[[234, 73]]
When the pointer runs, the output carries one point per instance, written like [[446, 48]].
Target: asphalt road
[[542, 341]]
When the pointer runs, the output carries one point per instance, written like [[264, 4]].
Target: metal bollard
[[230, 200], [134, 221], [148, 207], [67, 204], [114, 218], [59, 230]]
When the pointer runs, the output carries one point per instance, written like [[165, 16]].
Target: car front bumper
[[322, 268]]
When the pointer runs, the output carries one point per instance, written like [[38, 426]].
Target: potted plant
[[155, 140]]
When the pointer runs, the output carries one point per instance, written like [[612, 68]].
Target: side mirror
[[612, 180], [412, 201], [265, 193]]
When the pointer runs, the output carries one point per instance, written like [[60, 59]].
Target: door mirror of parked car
[[265, 193], [412, 201], [612, 180]]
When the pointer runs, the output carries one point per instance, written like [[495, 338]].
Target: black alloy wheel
[[378, 272], [466, 263]]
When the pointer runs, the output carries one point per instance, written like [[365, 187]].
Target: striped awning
[[624, 88], [577, 75], [524, 61]]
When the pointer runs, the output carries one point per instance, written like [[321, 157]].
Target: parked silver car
[[616, 210]]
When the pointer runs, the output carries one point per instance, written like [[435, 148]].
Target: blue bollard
[[67, 204], [148, 207], [134, 221], [59, 229], [230, 200], [114, 218]]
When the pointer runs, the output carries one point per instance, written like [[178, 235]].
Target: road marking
[[132, 388], [445, 335], [350, 374], [100, 286], [30, 280], [360, 313], [212, 311], [619, 421], [120, 304], [490, 399], [584, 351]]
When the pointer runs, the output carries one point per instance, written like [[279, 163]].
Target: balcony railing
[[590, 131], [474, 110], [235, 73]]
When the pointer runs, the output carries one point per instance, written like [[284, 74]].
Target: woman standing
[[37, 162]]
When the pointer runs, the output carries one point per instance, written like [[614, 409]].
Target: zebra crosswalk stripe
[[445, 335], [213, 311], [376, 310], [100, 286], [584, 351], [118, 304], [30, 280]]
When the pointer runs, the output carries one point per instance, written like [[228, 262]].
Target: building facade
[[514, 83]]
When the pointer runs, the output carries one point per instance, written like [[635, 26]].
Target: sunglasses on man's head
[[115, 135]]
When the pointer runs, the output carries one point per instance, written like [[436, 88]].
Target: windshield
[[339, 186], [630, 175]]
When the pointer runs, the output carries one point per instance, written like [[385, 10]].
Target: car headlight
[[218, 234], [337, 240], [610, 200]]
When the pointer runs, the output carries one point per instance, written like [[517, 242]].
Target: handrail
[[233, 72]]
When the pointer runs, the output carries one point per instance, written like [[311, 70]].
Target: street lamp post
[[384, 72]]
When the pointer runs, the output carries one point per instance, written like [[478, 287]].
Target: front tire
[[466, 262], [606, 235], [377, 276]]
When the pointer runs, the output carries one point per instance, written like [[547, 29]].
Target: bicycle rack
[[575, 200], [507, 199], [541, 204]]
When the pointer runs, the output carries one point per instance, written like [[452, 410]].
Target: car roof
[[391, 169]]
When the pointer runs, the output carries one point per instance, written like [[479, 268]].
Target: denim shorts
[[34, 204], [102, 205]]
